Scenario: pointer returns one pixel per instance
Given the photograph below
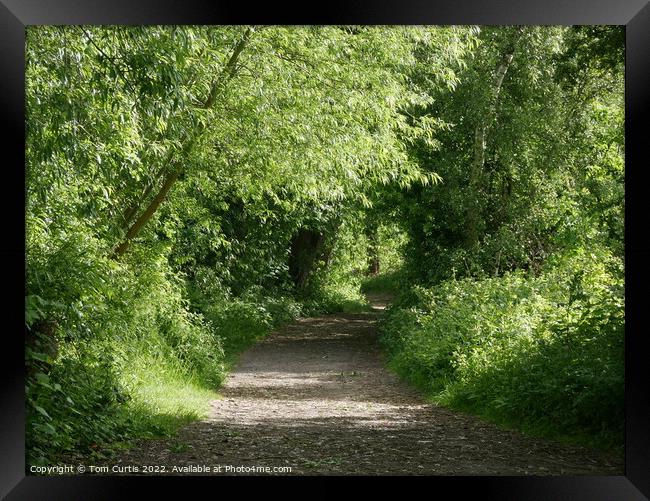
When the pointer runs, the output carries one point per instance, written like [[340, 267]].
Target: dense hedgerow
[[191, 188], [127, 354], [136, 349], [541, 352]]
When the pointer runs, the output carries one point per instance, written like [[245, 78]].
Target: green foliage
[[118, 348], [391, 282], [553, 170], [244, 320], [336, 283], [526, 325], [541, 352], [80, 366], [324, 152]]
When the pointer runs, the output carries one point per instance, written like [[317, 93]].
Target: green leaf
[[42, 411]]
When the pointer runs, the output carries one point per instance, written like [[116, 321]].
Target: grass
[[335, 297], [166, 396], [179, 447], [386, 282]]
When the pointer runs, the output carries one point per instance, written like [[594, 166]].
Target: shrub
[[541, 352]]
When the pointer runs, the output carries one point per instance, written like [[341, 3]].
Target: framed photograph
[[380, 241]]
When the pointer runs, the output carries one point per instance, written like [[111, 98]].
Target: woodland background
[[191, 188]]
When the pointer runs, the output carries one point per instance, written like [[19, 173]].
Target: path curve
[[316, 396]]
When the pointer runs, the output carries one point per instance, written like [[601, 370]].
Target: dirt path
[[316, 396]]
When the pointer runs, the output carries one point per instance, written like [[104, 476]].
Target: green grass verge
[[386, 282]]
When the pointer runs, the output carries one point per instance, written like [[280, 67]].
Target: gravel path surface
[[315, 396]]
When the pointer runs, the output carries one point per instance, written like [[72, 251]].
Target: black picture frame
[[15, 15]]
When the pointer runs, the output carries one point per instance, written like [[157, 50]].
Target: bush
[[92, 322], [539, 352]]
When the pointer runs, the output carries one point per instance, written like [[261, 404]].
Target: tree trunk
[[228, 70], [306, 248], [480, 140], [149, 211], [132, 210], [173, 174], [371, 231]]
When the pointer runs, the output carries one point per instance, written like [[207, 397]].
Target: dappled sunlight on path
[[316, 396]]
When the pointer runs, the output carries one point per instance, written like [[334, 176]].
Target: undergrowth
[[539, 353], [144, 352]]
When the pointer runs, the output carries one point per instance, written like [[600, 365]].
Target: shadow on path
[[316, 396]]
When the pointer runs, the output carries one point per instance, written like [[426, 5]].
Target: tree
[[482, 128]]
